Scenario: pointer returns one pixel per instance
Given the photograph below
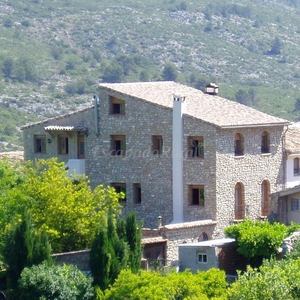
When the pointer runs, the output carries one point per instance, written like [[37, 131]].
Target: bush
[[55, 282]]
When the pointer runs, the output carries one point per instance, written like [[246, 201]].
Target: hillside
[[54, 53]]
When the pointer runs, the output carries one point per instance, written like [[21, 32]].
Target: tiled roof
[[211, 109], [189, 224], [292, 139]]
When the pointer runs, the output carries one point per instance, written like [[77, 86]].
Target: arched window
[[203, 237], [265, 142], [238, 145], [265, 191], [239, 211], [296, 166]]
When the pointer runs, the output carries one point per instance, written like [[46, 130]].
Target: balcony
[[76, 166]]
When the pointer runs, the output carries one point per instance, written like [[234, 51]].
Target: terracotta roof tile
[[292, 139], [209, 108]]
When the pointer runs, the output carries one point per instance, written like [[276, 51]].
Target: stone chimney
[[212, 89]]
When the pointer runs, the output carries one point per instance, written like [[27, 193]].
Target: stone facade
[[147, 112]]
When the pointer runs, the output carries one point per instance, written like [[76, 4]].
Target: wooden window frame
[[120, 187], [265, 191], [238, 145], [40, 144], [157, 144], [265, 142], [63, 145], [137, 193], [196, 146], [118, 145], [117, 106], [197, 195], [239, 202]]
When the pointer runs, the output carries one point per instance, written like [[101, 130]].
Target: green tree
[[170, 72], [55, 283], [23, 248], [257, 240], [275, 47], [8, 67]]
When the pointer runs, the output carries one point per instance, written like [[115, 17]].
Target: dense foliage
[[116, 247], [154, 285], [274, 280], [55, 283], [258, 239], [67, 209]]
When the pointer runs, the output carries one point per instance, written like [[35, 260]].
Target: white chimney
[[177, 158]]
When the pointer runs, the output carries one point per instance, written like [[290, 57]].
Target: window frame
[[202, 260], [196, 147], [120, 187], [239, 202], [296, 166], [201, 195], [265, 142], [120, 150], [137, 193], [238, 144], [63, 144], [157, 144], [295, 204], [40, 144], [116, 106]]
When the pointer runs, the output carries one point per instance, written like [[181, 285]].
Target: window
[[157, 144], [296, 166], [239, 201], [197, 195], [40, 144], [238, 145], [118, 144], [265, 142], [117, 106], [137, 193], [120, 188], [202, 258], [265, 198], [203, 237], [196, 146], [294, 204], [63, 145]]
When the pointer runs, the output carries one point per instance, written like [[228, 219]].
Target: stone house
[[195, 160]]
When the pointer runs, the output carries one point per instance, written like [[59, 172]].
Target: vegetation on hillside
[[54, 53]]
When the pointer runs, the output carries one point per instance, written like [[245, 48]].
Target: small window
[[294, 204], [40, 144], [265, 142], [196, 146], [203, 237], [137, 193], [117, 106], [63, 145], [265, 198], [157, 144], [238, 145], [296, 166], [120, 188], [239, 202], [118, 144], [197, 195], [202, 258]]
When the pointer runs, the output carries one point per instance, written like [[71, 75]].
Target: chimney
[[177, 158], [212, 89]]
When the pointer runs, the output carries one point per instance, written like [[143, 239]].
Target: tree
[[7, 67], [257, 240], [275, 47], [66, 208], [274, 280], [170, 72], [297, 104], [23, 248], [55, 283]]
